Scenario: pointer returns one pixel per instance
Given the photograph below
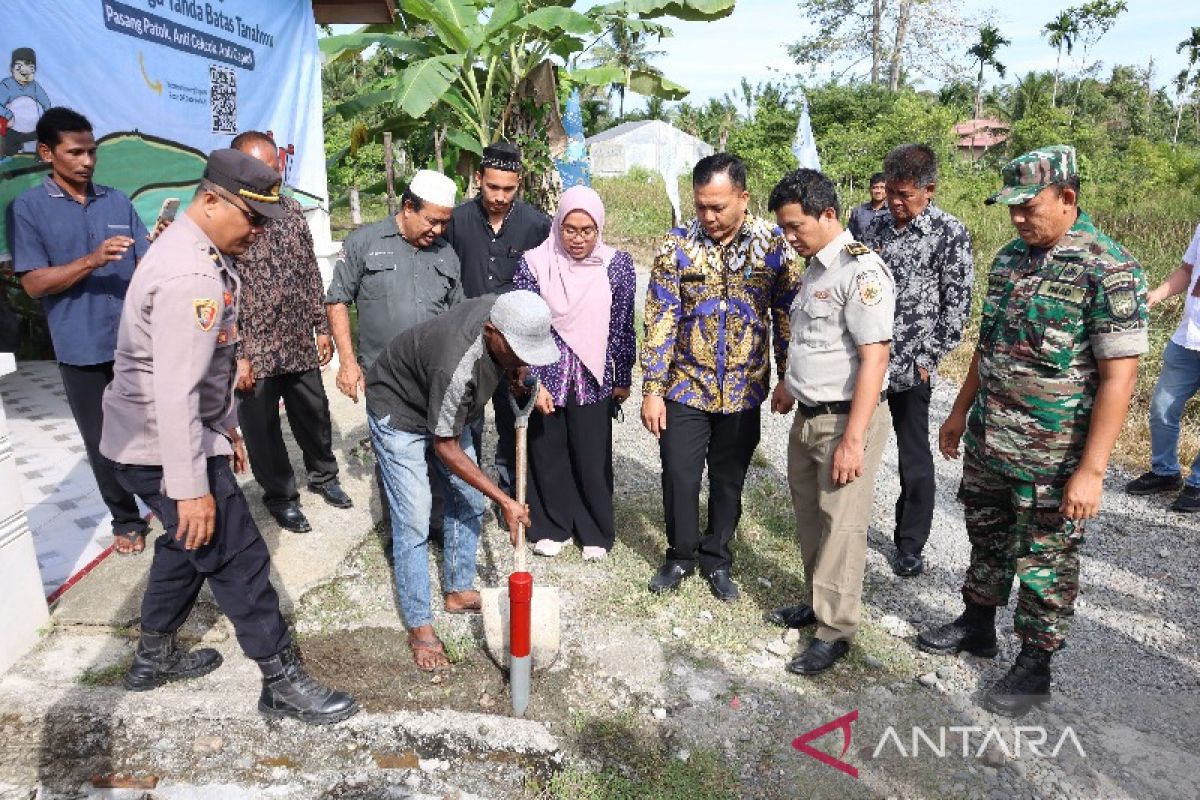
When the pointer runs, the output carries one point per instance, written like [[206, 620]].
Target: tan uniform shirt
[[847, 298], [170, 403]]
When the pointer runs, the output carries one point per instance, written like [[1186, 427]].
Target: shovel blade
[[544, 625]]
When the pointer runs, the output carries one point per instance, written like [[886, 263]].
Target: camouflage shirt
[[930, 259], [709, 310], [1047, 318]]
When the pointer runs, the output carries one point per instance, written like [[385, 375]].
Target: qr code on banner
[[223, 93]]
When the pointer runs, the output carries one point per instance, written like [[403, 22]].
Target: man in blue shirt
[[75, 246]]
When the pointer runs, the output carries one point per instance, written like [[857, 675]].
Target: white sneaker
[[547, 547], [593, 553]]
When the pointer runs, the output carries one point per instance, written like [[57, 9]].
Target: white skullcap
[[433, 187]]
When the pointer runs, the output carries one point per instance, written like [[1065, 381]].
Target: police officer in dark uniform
[[170, 428]]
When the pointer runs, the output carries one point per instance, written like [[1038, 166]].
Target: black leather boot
[[1027, 684], [158, 661], [974, 631], [289, 691]]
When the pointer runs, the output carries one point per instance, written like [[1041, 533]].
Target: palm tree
[[625, 49], [1192, 46], [984, 51], [1060, 32]]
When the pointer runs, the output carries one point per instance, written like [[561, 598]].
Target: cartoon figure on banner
[[283, 160], [22, 101]]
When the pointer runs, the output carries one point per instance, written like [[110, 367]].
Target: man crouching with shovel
[[425, 389]]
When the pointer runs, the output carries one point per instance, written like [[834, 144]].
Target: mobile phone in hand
[[169, 207]]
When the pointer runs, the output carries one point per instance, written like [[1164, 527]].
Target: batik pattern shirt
[[569, 372], [710, 313], [282, 302], [930, 259], [1048, 316]]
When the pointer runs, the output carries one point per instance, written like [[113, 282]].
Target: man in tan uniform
[[837, 369], [170, 428]]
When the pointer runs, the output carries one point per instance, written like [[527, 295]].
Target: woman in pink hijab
[[589, 287]]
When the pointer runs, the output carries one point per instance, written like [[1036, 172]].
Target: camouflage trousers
[[1015, 528]]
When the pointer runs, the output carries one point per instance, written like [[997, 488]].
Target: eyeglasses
[[587, 234], [255, 219]]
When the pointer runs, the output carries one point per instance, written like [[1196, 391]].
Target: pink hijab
[[578, 292]]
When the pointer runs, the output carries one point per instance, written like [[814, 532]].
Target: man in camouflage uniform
[[1064, 322]]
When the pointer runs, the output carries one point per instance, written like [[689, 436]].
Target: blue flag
[[804, 146]]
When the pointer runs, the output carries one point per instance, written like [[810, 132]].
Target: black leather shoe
[[722, 586], [1188, 501], [974, 631], [669, 576], [1153, 483], [158, 661], [291, 518], [818, 657], [791, 616], [908, 565], [333, 494], [289, 691], [1026, 685]]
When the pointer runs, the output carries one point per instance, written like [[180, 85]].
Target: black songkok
[[502, 155]]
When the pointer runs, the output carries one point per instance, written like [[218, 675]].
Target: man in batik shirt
[[929, 253], [282, 307], [717, 286]]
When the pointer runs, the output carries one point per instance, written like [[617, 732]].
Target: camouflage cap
[[1028, 174]]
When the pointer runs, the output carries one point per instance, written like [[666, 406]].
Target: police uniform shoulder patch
[[857, 249], [1120, 294], [206, 313], [870, 287]]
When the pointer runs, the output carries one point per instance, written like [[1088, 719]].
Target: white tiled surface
[[70, 523]]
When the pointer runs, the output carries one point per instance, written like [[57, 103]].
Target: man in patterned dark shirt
[[929, 253], [282, 304]]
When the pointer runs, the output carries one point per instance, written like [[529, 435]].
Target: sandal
[[472, 605], [136, 541], [428, 654]]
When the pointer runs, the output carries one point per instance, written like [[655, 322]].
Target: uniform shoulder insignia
[[206, 313], [857, 249], [870, 287]]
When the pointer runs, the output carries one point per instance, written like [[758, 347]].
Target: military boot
[[1027, 684], [289, 691], [158, 661], [974, 631]]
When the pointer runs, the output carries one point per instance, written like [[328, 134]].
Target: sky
[[711, 58]]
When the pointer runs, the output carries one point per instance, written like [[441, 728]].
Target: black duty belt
[[821, 409]]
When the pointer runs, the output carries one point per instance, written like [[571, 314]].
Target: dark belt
[[821, 409]]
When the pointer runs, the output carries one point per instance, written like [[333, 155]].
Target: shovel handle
[[519, 555]]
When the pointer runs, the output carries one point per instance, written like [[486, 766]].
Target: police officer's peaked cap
[[249, 179]]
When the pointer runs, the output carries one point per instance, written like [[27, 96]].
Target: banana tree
[[468, 57]]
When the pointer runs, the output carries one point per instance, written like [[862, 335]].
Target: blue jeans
[[401, 457], [1178, 381]]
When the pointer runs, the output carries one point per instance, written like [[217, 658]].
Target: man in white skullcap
[[424, 392], [397, 273]]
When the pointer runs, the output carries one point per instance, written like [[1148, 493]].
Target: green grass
[[635, 764], [105, 676]]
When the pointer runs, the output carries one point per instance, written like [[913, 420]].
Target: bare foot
[[130, 543], [427, 649], [468, 602]]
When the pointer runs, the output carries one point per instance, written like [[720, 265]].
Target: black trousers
[[85, 395], [570, 486], [918, 486], [307, 409], [505, 457], [726, 442], [236, 564]]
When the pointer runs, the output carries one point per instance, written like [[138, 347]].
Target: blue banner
[[163, 82]]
